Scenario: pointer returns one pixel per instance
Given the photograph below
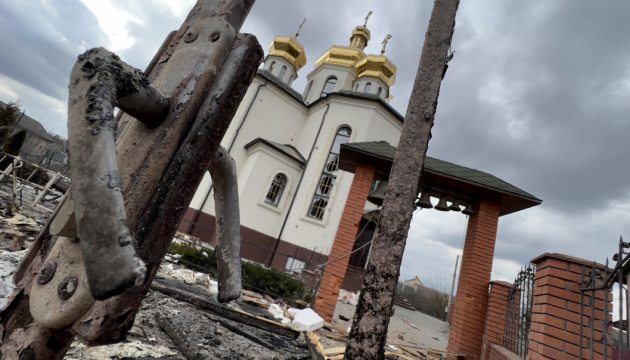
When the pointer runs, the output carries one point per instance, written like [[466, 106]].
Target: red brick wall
[[495, 316], [555, 327], [498, 352], [469, 311], [344, 240]]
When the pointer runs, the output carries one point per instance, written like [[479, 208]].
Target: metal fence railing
[[519, 313], [599, 283]]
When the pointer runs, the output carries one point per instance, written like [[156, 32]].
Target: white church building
[[286, 147]]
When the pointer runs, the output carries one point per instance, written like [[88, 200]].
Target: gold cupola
[[289, 49], [378, 66], [348, 55]]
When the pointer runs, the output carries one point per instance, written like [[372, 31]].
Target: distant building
[[415, 283], [39, 147]]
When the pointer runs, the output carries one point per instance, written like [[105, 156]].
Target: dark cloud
[[536, 94], [41, 41]]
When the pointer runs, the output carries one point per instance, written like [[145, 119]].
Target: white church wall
[[263, 165]]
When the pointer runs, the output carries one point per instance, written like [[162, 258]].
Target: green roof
[[383, 154]]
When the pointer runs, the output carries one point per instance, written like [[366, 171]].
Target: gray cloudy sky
[[537, 94]]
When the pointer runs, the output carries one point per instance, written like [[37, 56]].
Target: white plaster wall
[[345, 77], [359, 115], [289, 76], [265, 164], [376, 83]]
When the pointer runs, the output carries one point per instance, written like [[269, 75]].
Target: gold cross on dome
[[300, 28], [385, 41], [367, 18]]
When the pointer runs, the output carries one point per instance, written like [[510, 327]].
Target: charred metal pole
[[100, 82], [226, 203], [371, 320], [204, 72]]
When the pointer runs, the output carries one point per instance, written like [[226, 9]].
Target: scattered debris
[[410, 324], [205, 302], [344, 318], [306, 320]]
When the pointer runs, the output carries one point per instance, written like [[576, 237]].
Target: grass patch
[[272, 281]]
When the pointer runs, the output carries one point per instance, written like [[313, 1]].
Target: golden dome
[[289, 49], [347, 55], [377, 66], [341, 55]]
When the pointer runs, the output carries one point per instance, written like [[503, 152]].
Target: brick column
[[335, 272], [555, 331], [469, 311], [495, 316]]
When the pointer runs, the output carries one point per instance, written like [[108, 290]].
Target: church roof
[[442, 173], [352, 94], [274, 79], [285, 149], [31, 125]]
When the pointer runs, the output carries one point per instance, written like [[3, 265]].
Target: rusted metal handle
[[99, 82]]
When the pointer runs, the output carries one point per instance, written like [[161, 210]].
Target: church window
[[380, 90], [367, 87], [331, 83], [282, 72], [329, 176], [356, 87], [290, 78], [276, 189], [273, 63]]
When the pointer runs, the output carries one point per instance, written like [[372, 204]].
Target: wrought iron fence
[[519, 312], [598, 283]]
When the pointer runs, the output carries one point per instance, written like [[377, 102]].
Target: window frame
[[329, 81], [328, 176], [279, 189]]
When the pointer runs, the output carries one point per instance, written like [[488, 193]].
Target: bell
[[424, 201], [372, 216], [468, 210], [442, 205], [377, 196], [455, 206]]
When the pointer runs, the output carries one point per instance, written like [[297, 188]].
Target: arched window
[[273, 63], [380, 90], [290, 78], [367, 87], [356, 87], [276, 189], [331, 83], [282, 72], [329, 175], [308, 89]]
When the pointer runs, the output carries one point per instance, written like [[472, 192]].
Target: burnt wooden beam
[[314, 346], [226, 312], [237, 330]]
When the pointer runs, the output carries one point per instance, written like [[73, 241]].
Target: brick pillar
[[469, 311], [555, 330], [344, 241], [495, 316]]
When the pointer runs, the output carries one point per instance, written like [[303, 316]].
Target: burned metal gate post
[[204, 72], [371, 320]]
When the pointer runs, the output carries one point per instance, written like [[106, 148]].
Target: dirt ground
[[431, 333]]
